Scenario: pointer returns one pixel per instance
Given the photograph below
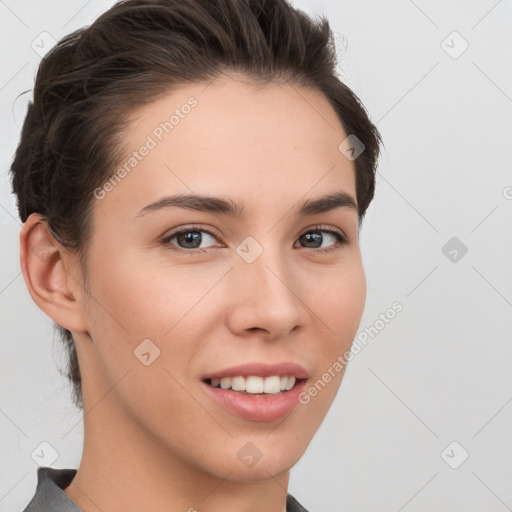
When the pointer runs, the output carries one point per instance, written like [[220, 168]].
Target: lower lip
[[257, 407]]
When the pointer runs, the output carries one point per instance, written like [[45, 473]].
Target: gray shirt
[[50, 495]]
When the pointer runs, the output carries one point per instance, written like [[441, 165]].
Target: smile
[[257, 391], [254, 384]]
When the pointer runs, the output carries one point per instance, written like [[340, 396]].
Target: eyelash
[[341, 239]]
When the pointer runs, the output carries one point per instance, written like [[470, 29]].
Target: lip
[[260, 369], [256, 407]]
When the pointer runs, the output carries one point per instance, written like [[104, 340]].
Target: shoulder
[[49, 495], [292, 505]]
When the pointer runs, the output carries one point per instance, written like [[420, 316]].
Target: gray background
[[439, 372]]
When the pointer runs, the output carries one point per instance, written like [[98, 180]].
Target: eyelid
[[192, 227], [325, 227]]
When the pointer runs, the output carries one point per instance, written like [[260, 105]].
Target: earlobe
[[46, 270]]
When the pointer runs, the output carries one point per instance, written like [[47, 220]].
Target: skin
[[152, 435]]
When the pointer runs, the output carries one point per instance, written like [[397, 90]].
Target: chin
[[250, 463], [260, 472]]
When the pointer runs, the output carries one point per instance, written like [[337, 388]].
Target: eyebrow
[[226, 206]]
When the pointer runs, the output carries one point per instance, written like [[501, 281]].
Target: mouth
[[257, 392], [256, 384]]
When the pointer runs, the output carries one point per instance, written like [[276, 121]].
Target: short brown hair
[[138, 50]]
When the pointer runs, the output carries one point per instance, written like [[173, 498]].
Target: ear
[[52, 274]]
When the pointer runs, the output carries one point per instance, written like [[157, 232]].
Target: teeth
[[272, 384], [291, 383], [238, 384], [255, 385]]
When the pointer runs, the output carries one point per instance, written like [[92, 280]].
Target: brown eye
[[313, 239], [190, 239]]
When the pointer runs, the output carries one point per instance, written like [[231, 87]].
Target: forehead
[[257, 145]]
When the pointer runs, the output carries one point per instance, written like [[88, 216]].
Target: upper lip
[[260, 369]]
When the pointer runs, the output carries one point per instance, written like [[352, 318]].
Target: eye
[[189, 239], [314, 238]]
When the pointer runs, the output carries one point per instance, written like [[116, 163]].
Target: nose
[[266, 295]]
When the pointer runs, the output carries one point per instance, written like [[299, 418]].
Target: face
[[180, 295]]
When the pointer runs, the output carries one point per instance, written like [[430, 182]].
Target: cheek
[[337, 307], [339, 299], [144, 299], [167, 304], [134, 303], [351, 300]]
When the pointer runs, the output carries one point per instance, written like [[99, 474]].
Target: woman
[[192, 177]]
